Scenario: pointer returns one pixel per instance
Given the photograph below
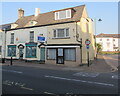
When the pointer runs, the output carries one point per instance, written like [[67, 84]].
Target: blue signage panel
[[87, 46], [41, 38]]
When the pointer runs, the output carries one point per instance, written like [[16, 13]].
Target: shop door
[[21, 53], [42, 54], [60, 56]]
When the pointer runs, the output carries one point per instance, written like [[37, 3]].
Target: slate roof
[[48, 18], [109, 35], [5, 26]]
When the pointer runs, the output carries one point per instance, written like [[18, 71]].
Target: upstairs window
[[63, 14], [61, 33], [32, 36], [12, 38]]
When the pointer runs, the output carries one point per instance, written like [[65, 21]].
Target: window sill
[[61, 38]]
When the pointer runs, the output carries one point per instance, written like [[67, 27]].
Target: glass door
[[60, 56]]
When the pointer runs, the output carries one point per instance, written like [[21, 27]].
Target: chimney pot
[[37, 11], [20, 13]]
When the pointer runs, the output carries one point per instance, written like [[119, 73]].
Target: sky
[[106, 11]]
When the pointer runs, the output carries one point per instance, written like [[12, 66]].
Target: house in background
[[56, 37], [109, 42]]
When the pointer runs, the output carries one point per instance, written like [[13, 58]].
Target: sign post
[[87, 42]]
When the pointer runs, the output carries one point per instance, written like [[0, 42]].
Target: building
[[2, 34], [63, 34], [109, 42]]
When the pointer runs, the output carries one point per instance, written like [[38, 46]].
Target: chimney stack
[[20, 13], [37, 11]]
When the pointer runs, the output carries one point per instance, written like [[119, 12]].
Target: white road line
[[12, 71], [49, 93], [86, 74], [99, 83], [27, 88]]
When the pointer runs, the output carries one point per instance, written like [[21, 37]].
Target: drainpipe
[[80, 41]]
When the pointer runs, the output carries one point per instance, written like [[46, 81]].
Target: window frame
[[12, 47], [12, 38], [55, 53], [66, 15], [65, 33], [31, 50], [31, 40], [75, 54]]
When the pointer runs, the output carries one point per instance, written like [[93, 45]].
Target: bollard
[[11, 61]]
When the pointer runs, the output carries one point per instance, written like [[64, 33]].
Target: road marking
[[12, 71], [115, 76], [27, 88], [99, 83], [49, 93], [85, 74]]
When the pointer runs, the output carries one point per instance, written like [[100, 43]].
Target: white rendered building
[[109, 42]]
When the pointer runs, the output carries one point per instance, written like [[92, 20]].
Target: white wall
[[23, 36], [1, 35], [104, 43]]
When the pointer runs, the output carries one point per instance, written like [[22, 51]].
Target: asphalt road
[[112, 60], [29, 80]]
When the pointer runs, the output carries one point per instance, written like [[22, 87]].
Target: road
[[29, 80], [112, 60]]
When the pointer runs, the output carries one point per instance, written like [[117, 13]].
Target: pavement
[[99, 65]]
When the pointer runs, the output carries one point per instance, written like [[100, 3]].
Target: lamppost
[[99, 20]]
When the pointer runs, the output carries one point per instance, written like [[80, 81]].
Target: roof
[[5, 26], [109, 35], [48, 18]]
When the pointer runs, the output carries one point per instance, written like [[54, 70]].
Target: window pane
[[60, 33], [68, 13], [56, 15], [51, 54], [12, 38], [70, 54], [31, 51], [54, 33], [62, 14], [11, 51], [32, 36], [67, 32]]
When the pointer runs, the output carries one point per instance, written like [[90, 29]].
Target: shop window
[[70, 54], [51, 54], [30, 51], [12, 50]]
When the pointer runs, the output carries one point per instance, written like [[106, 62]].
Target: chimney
[[37, 11], [20, 13]]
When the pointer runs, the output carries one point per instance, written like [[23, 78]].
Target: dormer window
[[63, 14], [31, 23]]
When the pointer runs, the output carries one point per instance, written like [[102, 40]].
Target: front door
[[42, 54], [60, 56], [21, 53]]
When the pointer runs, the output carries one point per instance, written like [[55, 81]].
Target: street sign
[[41, 39], [87, 42], [87, 46]]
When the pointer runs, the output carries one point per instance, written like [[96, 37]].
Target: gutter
[[41, 25]]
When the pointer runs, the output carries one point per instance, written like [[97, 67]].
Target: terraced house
[[56, 37]]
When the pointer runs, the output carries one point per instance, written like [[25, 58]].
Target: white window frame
[[66, 15], [65, 32]]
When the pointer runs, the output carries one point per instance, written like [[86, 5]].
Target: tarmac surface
[[101, 64]]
